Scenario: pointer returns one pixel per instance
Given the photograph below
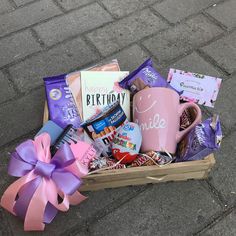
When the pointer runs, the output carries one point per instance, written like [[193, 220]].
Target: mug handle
[[197, 120]]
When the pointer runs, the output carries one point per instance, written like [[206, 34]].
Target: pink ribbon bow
[[34, 197]]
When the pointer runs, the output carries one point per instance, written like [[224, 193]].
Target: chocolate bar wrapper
[[61, 105], [161, 158], [142, 160], [202, 140], [144, 76], [187, 118]]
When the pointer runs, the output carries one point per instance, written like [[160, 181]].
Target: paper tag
[[198, 88]]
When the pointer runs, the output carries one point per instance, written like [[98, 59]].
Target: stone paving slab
[[28, 15], [5, 6], [224, 104], [223, 51], [17, 46], [21, 116], [123, 8], [225, 13], [64, 58], [71, 4], [113, 37], [194, 63], [226, 226], [72, 24], [156, 212], [181, 38], [176, 10], [75, 219], [8, 91], [22, 2], [223, 175], [130, 58]]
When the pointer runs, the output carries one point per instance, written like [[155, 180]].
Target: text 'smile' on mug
[[158, 112]]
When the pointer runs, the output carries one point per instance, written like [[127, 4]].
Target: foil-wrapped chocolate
[[187, 118], [127, 142], [145, 76], [161, 158], [104, 162], [201, 141], [61, 104]]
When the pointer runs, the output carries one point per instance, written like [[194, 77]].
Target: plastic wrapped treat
[[201, 141], [145, 76]]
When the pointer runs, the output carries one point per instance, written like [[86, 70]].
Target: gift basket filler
[[106, 128]]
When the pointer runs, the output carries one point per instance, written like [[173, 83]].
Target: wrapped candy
[[201, 140], [104, 162], [145, 76], [127, 142]]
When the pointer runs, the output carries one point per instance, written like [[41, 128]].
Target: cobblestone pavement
[[47, 37]]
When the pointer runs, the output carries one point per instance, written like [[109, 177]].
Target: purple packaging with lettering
[[201, 141], [61, 104], [145, 76]]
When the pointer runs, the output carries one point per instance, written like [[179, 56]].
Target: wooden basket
[[146, 174]]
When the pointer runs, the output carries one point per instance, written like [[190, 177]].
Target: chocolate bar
[[145, 76], [61, 104], [201, 141]]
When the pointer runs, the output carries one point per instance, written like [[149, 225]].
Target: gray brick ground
[[223, 51], [22, 2], [21, 116], [71, 4], [123, 7], [225, 13], [157, 211], [226, 226], [4, 227], [7, 150], [176, 10], [28, 15], [113, 37], [76, 216], [194, 63], [182, 38], [8, 91], [61, 59], [223, 175], [16, 47], [130, 58], [225, 102], [5, 6], [72, 24]]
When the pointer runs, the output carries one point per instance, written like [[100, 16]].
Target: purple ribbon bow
[[25, 159]]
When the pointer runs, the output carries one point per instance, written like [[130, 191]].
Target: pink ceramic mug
[[158, 111]]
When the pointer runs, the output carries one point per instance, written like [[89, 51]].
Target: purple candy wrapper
[[61, 104], [144, 76], [201, 141]]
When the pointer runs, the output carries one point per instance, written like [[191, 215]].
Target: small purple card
[[198, 88]]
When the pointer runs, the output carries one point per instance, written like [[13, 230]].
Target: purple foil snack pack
[[201, 141], [145, 76], [61, 104]]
